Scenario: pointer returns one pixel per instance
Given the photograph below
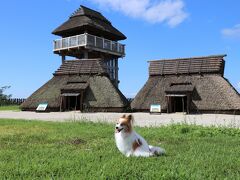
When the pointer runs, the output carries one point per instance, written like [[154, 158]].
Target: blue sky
[[155, 29]]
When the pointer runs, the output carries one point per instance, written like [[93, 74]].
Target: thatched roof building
[[87, 20], [87, 34], [79, 85], [192, 85], [89, 83]]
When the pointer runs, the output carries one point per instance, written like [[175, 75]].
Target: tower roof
[[86, 19]]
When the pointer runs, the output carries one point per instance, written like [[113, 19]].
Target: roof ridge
[[193, 57], [84, 7], [82, 11]]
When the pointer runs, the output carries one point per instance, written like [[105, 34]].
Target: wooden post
[[167, 104], [63, 58], [183, 103], [61, 104], [86, 38], [76, 103], [103, 43], [188, 102], [81, 101], [85, 54], [68, 103], [116, 71], [174, 107]]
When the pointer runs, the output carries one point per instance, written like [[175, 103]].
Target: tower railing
[[89, 41]]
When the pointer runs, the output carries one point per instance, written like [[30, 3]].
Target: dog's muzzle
[[118, 130]]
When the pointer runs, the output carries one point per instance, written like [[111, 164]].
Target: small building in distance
[[191, 85], [90, 81]]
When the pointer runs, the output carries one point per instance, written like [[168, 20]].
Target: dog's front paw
[[128, 154]]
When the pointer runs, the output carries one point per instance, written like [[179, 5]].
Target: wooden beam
[[63, 58], [61, 103], [183, 103], [81, 100], [75, 103], [85, 54], [167, 104]]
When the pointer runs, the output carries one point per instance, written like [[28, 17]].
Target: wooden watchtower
[[87, 34]]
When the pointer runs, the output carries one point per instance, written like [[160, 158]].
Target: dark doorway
[[177, 104], [180, 104], [72, 103]]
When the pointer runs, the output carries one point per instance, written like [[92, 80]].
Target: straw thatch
[[87, 20], [210, 91], [100, 94], [83, 66]]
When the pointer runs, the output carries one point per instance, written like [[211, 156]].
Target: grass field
[[79, 150], [10, 108]]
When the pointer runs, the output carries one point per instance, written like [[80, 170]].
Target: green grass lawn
[[78, 150], [10, 108]]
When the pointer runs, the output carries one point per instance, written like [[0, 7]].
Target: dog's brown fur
[[136, 144]]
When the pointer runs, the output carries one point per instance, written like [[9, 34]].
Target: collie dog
[[131, 143]]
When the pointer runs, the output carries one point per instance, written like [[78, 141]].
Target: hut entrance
[[72, 96], [179, 97], [71, 101], [177, 103]]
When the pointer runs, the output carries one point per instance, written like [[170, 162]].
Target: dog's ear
[[124, 116], [130, 118]]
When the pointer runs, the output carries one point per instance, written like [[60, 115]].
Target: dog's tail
[[157, 151]]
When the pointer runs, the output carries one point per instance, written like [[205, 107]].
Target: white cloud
[[154, 11], [233, 32]]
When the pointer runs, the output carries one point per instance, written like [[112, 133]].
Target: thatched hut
[[192, 85], [79, 85]]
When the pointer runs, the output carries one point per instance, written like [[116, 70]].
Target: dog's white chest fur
[[124, 143]]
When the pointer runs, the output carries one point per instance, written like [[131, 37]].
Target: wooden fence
[[12, 101]]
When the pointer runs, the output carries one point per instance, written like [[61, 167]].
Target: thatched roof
[[85, 19], [180, 88], [193, 65], [83, 66], [75, 86], [100, 93], [211, 93]]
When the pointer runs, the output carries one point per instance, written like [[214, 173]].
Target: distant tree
[[4, 97]]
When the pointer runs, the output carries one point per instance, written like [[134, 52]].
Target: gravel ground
[[140, 119]]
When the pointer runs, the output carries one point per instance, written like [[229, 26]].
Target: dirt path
[[141, 119]]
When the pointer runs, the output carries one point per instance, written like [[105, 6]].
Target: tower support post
[[63, 58]]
